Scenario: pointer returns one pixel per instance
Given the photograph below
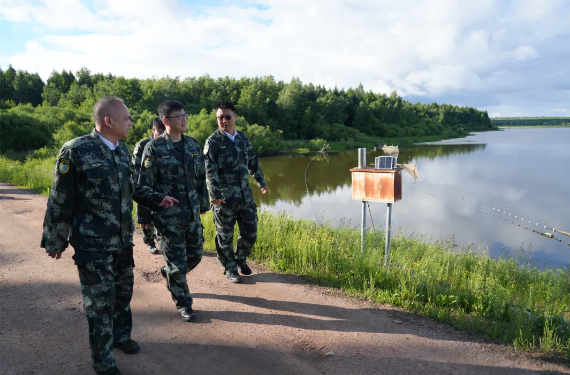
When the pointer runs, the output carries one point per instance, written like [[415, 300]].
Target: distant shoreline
[[532, 126]]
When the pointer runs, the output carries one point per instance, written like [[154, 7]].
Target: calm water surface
[[521, 172]]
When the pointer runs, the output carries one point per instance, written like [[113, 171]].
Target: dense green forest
[[530, 121], [37, 115]]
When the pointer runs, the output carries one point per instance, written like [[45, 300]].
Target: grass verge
[[497, 298], [34, 174]]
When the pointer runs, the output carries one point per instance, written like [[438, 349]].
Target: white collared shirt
[[111, 146], [231, 137]]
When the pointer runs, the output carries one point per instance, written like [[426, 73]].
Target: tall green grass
[[502, 299], [498, 298], [34, 174]]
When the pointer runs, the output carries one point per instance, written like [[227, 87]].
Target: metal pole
[[388, 225], [362, 164], [363, 227]]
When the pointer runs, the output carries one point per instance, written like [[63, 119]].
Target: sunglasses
[[179, 117], [227, 117]]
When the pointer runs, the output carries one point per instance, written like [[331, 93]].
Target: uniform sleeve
[[59, 213], [253, 165], [143, 214], [144, 187], [204, 197], [212, 181]]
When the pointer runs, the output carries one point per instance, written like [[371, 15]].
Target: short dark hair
[[156, 123], [166, 108], [104, 107], [224, 104]]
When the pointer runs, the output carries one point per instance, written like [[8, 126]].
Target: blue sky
[[508, 57]]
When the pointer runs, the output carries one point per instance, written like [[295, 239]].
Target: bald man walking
[[90, 207]]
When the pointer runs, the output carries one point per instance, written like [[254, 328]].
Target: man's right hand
[[219, 201], [167, 202]]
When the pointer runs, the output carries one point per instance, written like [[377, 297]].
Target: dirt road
[[270, 324]]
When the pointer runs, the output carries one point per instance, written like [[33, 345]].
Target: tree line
[[272, 112], [530, 121]]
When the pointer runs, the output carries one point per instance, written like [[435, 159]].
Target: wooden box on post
[[376, 185]]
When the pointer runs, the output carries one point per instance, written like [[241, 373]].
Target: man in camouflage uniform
[[149, 233], [229, 157], [90, 207], [173, 165]]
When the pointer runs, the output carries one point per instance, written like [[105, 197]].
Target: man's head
[[112, 118], [226, 114], [157, 127], [173, 116]]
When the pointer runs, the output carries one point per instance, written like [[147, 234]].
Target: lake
[[471, 190]]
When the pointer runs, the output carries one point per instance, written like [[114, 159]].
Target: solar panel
[[385, 162]]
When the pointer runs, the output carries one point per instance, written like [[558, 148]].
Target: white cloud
[[446, 51], [525, 53]]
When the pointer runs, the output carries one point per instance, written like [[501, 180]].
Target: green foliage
[[70, 130], [319, 144], [203, 124], [22, 132], [142, 127], [264, 140], [279, 110], [530, 121]]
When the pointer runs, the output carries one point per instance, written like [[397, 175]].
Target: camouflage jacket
[[227, 166], [162, 174], [90, 202], [143, 213]]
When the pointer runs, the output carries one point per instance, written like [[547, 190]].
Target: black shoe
[[163, 272], [113, 371], [187, 314], [233, 275], [152, 249], [244, 269], [128, 347]]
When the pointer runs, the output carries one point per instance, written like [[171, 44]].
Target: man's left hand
[[264, 190]]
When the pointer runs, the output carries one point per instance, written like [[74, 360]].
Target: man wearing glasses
[[229, 159], [172, 165]]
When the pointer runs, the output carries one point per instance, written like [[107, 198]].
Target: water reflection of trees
[[285, 175]]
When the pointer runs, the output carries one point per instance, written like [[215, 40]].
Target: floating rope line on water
[[493, 209], [545, 234]]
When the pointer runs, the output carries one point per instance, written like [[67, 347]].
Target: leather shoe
[[244, 269], [163, 272], [187, 314], [128, 347]]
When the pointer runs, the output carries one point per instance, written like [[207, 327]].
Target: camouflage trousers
[[225, 217], [107, 287], [182, 248], [149, 234]]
